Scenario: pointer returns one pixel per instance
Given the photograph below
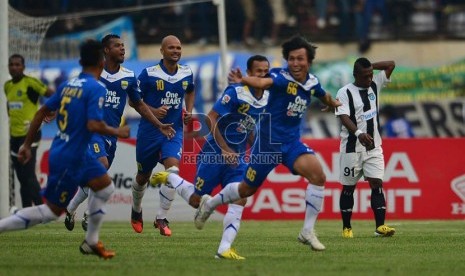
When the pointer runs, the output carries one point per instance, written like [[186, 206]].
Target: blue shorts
[[267, 156], [101, 145], [63, 180], [211, 174], [150, 152]]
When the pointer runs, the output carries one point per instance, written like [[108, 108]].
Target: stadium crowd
[[264, 22]]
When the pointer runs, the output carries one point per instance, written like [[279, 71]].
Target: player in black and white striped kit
[[361, 153]]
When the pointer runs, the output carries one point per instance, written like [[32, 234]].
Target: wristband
[[358, 132]]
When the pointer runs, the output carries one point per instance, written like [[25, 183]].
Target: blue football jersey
[[78, 100], [159, 88], [119, 85], [239, 112], [287, 104]]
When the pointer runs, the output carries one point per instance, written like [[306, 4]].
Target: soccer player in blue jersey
[[121, 83], [79, 103], [232, 123], [164, 88], [278, 140]]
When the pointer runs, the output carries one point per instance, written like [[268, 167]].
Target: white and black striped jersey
[[361, 105]]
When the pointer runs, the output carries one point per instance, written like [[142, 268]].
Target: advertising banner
[[408, 84], [424, 179]]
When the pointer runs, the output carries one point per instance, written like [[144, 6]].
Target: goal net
[[26, 35]]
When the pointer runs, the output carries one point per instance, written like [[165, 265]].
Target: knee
[[106, 192], [142, 179], [375, 183], [173, 169], [317, 179], [348, 190], [23, 179], [194, 200], [51, 208], [245, 190]]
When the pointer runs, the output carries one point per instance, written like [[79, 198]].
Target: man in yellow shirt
[[23, 93]]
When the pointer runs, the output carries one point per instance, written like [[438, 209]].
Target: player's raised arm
[[387, 66], [101, 127], [235, 76], [330, 102]]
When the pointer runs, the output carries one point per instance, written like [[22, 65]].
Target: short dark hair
[[17, 56], [91, 53], [361, 63], [298, 42], [106, 39], [251, 60]]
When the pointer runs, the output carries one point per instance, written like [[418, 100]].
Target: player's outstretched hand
[[332, 107], [366, 140], [123, 132], [161, 112], [187, 118], [24, 154], [235, 76], [167, 130], [50, 116]]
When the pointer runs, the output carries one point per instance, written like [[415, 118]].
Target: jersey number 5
[[63, 122]]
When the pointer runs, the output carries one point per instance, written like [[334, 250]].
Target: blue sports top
[[287, 104], [239, 113], [159, 88], [119, 85], [77, 100]]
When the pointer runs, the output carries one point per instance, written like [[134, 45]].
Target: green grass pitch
[[270, 248]]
